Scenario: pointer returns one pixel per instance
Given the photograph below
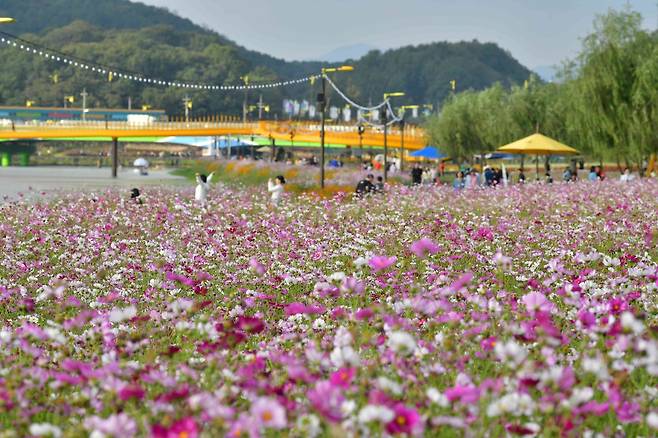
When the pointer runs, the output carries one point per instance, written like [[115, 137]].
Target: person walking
[[203, 185], [416, 175], [276, 188]]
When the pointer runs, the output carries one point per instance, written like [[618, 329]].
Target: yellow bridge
[[414, 138], [348, 135]]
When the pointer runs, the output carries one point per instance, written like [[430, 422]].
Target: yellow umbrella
[[4, 20], [538, 144]]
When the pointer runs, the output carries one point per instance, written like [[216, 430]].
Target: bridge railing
[[123, 125], [283, 129]]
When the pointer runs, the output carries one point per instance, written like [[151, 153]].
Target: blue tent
[[428, 152]]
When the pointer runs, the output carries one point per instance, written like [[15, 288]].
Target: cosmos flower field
[[528, 311]]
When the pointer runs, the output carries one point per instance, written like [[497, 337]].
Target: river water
[[32, 182]]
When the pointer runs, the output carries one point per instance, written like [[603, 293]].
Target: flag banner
[[287, 106], [333, 113], [347, 114]]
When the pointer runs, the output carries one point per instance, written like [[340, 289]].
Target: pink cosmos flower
[[343, 377], [117, 426], [537, 302], [269, 413], [327, 399], [406, 421], [380, 263], [257, 267], [351, 284], [421, 248], [185, 427]]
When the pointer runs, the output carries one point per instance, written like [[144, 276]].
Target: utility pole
[[402, 125], [260, 107], [188, 103], [384, 117], [84, 95], [322, 100], [130, 103], [245, 109]]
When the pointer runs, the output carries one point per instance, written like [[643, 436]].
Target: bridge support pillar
[[5, 159], [115, 156]]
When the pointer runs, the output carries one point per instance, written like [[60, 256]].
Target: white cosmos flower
[[652, 420], [118, 315], [45, 429], [437, 397], [387, 384], [370, 413], [595, 366], [401, 342]]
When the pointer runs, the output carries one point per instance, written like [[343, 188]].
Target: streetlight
[[322, 100], [384, 117], [361, 130]]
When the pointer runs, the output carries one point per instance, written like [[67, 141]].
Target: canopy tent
[[538, 144], [429, 152], [141, 162], [499, 156]]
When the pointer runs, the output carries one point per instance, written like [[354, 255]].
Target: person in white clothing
[[203, 185], [276, 188], [627, 176]]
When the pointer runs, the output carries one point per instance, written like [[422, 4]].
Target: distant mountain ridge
[[353, 51], [156, 42]]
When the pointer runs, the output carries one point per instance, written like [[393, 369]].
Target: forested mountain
[[155, 42]]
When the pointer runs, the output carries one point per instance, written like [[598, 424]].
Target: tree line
[[152, 41], [604, 102]]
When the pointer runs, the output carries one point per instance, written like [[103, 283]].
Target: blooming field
[[526, 311]]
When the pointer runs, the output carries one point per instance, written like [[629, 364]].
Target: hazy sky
[[536, 32]]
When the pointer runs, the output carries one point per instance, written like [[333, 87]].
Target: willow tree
[[605, 92]]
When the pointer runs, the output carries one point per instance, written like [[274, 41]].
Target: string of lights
[[350, 101], [112, 73]]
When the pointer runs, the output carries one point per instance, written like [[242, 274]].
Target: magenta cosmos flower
[[405, 421], [343, 377], [421, 248], [379, 263], [185, 427]]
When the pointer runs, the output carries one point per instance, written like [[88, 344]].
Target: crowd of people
[[468, 178]]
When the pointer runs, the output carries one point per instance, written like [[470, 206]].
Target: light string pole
[[384, 116], [322, 100]]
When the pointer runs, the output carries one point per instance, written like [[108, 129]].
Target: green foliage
[[604, 104]]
